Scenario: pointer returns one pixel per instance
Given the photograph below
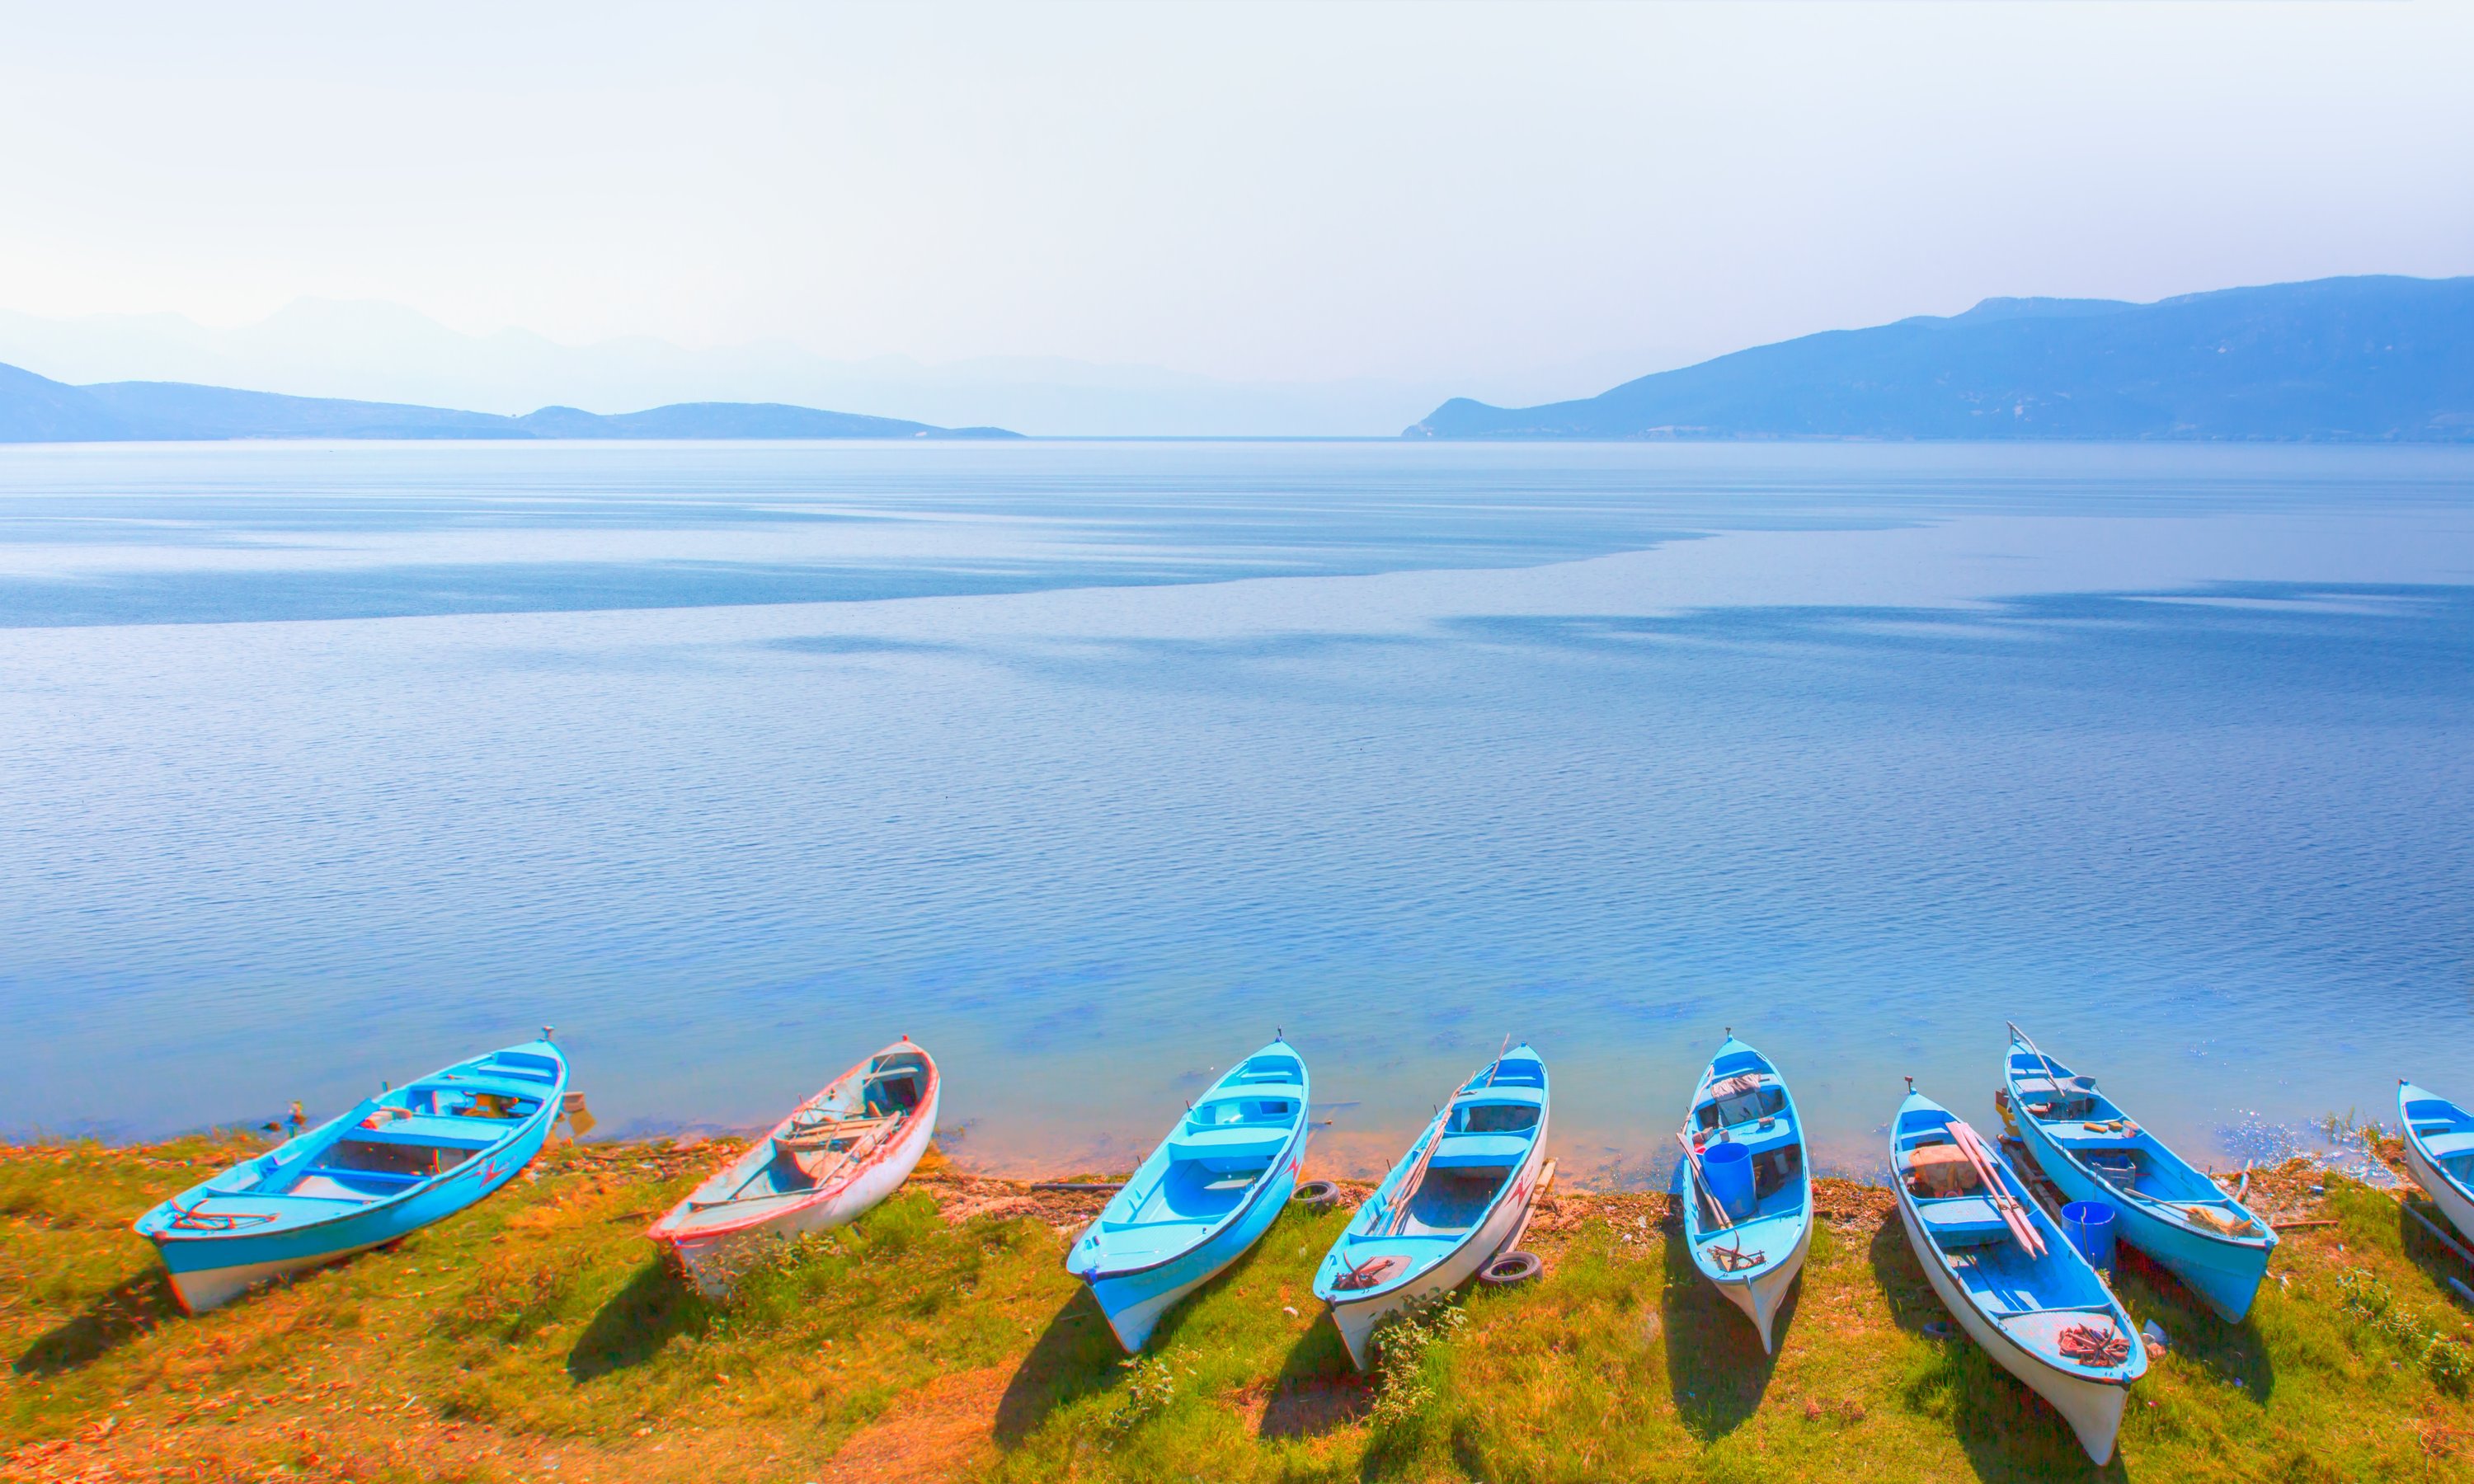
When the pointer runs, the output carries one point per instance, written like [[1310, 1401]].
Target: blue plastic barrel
[[2089, 1225], [1728, 1169]]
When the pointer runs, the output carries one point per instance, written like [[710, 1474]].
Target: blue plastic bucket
[[2089, 1225], [1728, 1169]]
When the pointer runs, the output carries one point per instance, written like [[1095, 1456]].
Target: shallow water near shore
[[1090, 764]]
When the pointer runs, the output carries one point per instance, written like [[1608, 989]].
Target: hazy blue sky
[[1257, 191]]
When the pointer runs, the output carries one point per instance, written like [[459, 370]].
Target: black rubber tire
[[1317, 1195], [1510, 1268]]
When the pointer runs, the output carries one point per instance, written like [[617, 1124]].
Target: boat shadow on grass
[[2423, 1232], [121, 1313], [1715, 1363], [1074, 1356], [1318, 1390], [2007, 1431], [655, 1307], [2235, 1355]]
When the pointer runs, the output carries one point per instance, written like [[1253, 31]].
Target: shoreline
[[940, 1338]]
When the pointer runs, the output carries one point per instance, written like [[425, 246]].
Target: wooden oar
[[1971, 1145], [1498, 1059], [1701, 1183], [1408, 1186]]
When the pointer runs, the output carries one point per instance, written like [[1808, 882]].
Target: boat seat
[[467, 1085], [1486, 1151], [520, 1064], [1501, 1093], [2045, 1086], [1966, 1221], [2448, 1146], [827, 1130], [1762, 1141], [1259, 1142], [1260, 1094], [443, 1131], [1295, 1092]]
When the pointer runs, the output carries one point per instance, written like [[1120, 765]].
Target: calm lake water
[[1088, 765]]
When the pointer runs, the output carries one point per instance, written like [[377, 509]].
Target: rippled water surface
[[1088, 765]]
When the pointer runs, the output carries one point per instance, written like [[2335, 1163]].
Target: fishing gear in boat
[[2081, 1141], [2090, 1346], [1749, 1226]]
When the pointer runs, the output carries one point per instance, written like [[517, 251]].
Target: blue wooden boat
[[2008, 1276], [391, 1165], [1207, 1193], [1456, 1199], [1754, 1255], [2094, 1152], [2440, 1151]]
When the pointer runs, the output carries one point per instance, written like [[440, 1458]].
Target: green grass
[[537, 1329]]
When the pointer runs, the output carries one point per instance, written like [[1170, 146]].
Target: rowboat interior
[[826, 1136], [1226, 1144], [1744, 1100], [1479, 1145], [2085, 1124], [2446, 1134], [2033, 1298], [394, 1141]]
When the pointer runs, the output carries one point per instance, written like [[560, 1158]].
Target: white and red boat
[[835, 1158]]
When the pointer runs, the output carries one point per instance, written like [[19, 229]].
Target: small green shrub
[[2451, 1364], [1401, 1343], [1150, 1387], [2363, 1297]]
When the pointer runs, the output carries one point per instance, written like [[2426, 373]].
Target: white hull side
[[2444, 1194], [1134, 1322], [1357, 1320], [1762, 1298], [715, 1263], [202, 1289], [2092, 1408]]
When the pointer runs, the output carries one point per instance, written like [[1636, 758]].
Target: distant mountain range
[[37, 409], [373, 351], [2363, 359]]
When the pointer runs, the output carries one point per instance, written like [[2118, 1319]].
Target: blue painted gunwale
[[308, 1230], [2222, 1268]]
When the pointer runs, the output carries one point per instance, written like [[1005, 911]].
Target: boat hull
[[715, 1263], [212, 1269], [2442, 1190], [2224, 1272], [1763, 1293], [2093, 1408], [1357, 1319], [1134, 1302]]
